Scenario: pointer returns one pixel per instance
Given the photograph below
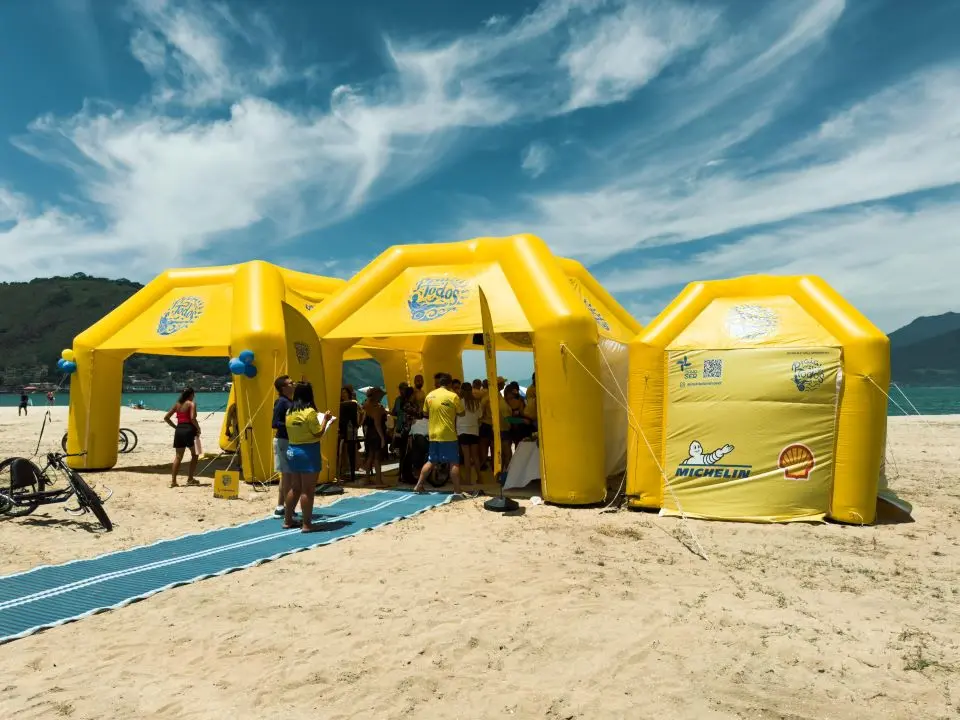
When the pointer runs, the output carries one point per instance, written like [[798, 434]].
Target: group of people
[[25, 402], [298, 430], [450, 426], [407, 431]]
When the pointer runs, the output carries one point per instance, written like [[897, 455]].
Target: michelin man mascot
[[698, 458]]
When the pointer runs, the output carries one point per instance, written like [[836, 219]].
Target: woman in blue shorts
[[304, 430]]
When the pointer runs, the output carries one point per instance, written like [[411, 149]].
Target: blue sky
[[658, 142]]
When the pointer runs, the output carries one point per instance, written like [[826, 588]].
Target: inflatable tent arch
[[428, 294], [200, 312], [230, 427], [759, 398]]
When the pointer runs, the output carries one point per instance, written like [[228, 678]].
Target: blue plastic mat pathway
[[52, 595]]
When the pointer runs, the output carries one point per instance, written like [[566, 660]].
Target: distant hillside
[[927, 351], [38, 319], [925, 328]]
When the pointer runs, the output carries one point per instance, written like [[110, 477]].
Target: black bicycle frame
[[47, 497]]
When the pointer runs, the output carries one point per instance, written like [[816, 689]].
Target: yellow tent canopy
[[211, 311], [759, 398], [427, 295]]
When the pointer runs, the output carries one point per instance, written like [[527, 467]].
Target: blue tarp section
[[55, 594]]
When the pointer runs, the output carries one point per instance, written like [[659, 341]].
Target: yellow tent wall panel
[[759, 398]]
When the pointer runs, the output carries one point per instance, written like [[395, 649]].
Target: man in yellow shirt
[[442, 407]]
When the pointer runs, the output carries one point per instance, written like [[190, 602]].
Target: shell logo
[[796, 461]]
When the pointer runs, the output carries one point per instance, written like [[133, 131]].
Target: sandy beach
[[461, 613]]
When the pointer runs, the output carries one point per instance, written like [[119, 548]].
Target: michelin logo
[[699, 464]]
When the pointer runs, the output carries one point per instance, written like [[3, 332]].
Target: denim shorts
[[304, 458]]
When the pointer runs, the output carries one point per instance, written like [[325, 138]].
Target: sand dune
[[460, 613]]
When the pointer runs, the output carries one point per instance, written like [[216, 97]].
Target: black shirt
[[280, 409]]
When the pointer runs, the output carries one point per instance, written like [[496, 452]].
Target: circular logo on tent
[[434, 297], [796, 461], [181, 314], [751, 322], [807, 375]]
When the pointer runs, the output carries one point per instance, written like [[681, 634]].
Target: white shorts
[[280, 462]]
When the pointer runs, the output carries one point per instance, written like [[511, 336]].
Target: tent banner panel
[[195, 317], [607, 323], [437, 300], [614, 370], [750, 433], [753, 321], [303, 348]]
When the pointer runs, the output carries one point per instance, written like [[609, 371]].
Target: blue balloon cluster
[[67, 366], [243, 364]]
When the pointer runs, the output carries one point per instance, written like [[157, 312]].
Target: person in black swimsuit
[[374, 433], [24, 402]]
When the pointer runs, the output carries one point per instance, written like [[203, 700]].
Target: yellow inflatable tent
[[201, 312], [425, 298], [761, 399]]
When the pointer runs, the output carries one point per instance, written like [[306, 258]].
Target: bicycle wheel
[[122, 442], [87, 498], [20, 478], [63, 443], [132, 439]]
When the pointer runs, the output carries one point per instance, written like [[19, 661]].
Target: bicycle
[[127, 441], [23, 488]]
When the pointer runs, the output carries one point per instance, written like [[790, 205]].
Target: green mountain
[[925, 328], [38, 319], [927, 351]]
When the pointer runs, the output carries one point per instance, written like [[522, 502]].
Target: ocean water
[[926, 400], [206, 402]]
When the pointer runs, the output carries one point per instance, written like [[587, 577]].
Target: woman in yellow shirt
[[304, 430]]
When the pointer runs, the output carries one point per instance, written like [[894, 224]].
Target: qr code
[[712, 368]]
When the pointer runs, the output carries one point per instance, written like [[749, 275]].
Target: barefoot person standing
[[185, 433], [442, 407], [304, 430]]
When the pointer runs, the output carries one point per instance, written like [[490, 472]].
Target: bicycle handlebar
[[66, 455]]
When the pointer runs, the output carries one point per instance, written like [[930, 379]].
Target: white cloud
[[680, 191], [902, 140], [536, 158], [192, 49], [165, 180], [619, 53], [838, 201], [12, 205], [893, 264], [494, 21]]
